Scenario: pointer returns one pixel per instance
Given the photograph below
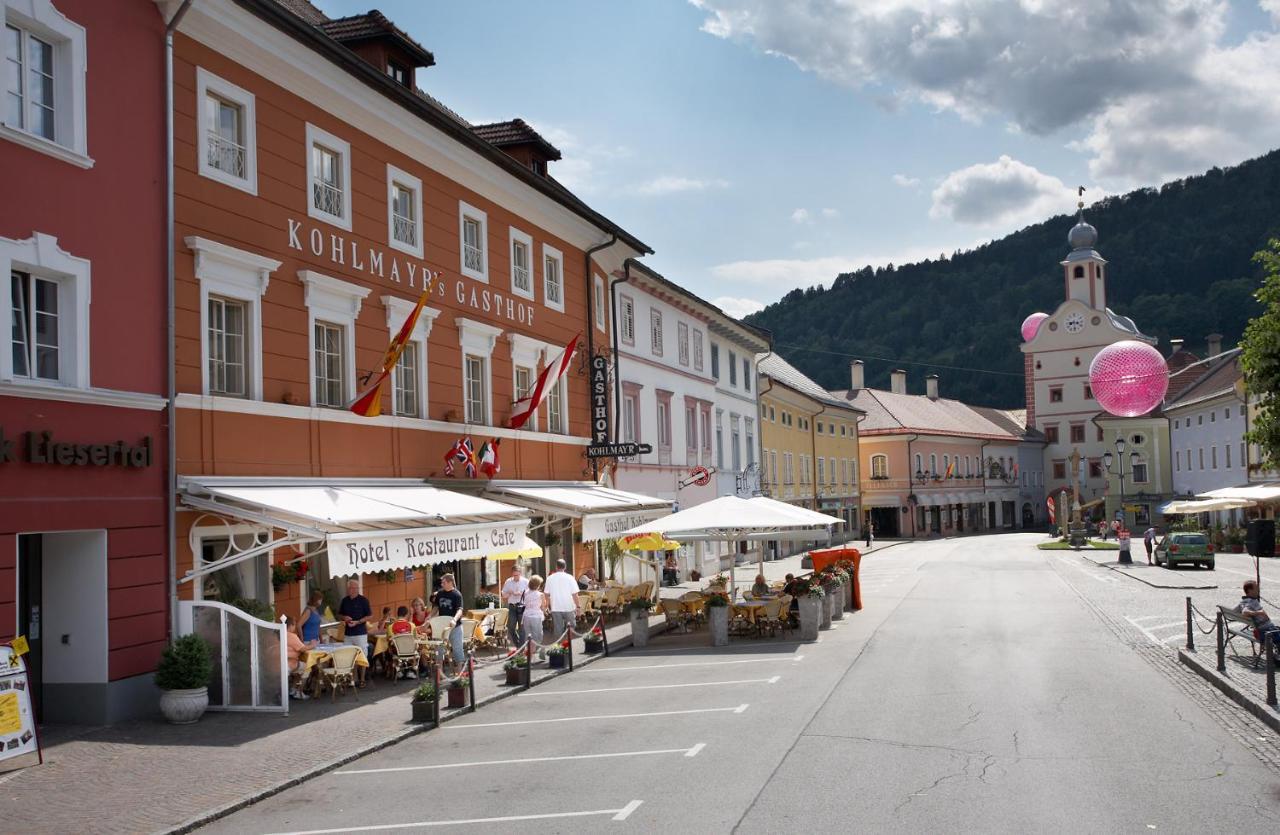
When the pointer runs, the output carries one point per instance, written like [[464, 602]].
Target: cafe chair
[[341, 673], [404, 655]]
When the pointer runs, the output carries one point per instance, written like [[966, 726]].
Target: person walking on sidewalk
[[1123, 537], [563, 591], [870, 533], [1149, 540], [534, 605], [513, 594]]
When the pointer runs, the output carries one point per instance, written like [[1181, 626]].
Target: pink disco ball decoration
[[1031, 325], [1128, 378]]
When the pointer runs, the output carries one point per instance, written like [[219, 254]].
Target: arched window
[[919, 463], [933, 464], [1078, 272], [879, 466]]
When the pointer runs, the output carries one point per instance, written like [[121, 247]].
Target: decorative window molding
[[880, 466], [522, 272], [38, 20], [473, 242], [477, 340], [601, 306], [398, 312], [328, 184], [404, 221], [553, 285], [233, 160], [697, 350], [627, 320], [336, 302], [40, 256], [682, 343], [234, 274], [655, 331]]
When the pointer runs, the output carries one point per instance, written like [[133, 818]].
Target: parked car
[[1185, 548]]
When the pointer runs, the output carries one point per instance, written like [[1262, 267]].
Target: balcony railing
[[404, 230], [520, 278], [225, 155], [327, 198], [472, 258]]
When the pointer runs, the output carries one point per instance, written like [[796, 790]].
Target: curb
[[205, 818], [1120, 570], [1261, 710]]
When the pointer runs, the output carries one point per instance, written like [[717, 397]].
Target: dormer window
[[539, 167], [399, 73]]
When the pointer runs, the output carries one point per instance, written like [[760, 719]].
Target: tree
[[1260, 357]]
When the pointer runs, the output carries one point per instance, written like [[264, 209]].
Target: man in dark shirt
[[355, 612], [449, 605]]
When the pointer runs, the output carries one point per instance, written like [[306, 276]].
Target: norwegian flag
[[527, 406]]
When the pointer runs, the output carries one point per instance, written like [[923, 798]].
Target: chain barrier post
[[471, 681], [1222, 646], [604, 635], [1269, 646], [1191, 639], [569, 651], [435, 677], [528, 664]]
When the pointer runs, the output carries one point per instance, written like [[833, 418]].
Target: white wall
[[1215, 424], [74, 603]]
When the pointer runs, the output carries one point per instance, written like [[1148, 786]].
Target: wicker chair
[[343, 672], [675, 613], [403, 655]]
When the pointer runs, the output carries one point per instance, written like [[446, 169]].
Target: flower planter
[[184, 707], [639, 628], [457, 696], [848, 595], [593, 647], [556, 660], [836, 595], [515, 675], [824, 611], [424, 711], [810, 616], [718, 618]]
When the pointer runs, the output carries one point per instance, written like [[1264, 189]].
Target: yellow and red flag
[[369, 403], [951, 469]]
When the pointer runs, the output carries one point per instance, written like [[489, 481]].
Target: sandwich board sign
[[19, 744]]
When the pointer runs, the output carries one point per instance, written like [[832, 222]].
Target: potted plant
[[183, 677], [639, 608], [1235, 539], [284, 573], [593, 641], [517, 667], [456, 689], [487, 600], [425, 705], [835, 593], [809, 594], [718, 618], [848, 568], [557, 654]]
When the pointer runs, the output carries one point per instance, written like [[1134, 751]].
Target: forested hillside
[[1179, 263]]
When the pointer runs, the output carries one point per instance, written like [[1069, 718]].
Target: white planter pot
[[810, 615], [183, 707], [718, 618], [824, 611], [639, 628], [848, 595], [836, 593]]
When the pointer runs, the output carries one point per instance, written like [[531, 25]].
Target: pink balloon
[[1031, 325], [1129, 378]]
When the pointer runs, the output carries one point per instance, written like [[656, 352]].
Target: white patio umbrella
[[732, 520], [1205, 505]]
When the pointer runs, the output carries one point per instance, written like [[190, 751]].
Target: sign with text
[[44, 448], [622, 450], [368, 552], [613, 525], [19, 745], [600, 399]]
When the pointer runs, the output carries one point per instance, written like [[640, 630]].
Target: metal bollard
[[1191, 637], [528, 664], [471, 681], [604, 635], [1269, 646], [569, 652], [435, 678], [1222, 646]]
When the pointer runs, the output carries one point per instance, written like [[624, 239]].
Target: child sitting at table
[[401, 624]]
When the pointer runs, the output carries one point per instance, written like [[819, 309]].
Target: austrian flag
[[527, 406]]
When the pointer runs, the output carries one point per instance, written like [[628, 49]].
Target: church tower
[[1084, 271]]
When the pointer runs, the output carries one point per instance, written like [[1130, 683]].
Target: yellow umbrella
[[529, 550], [647, 542]]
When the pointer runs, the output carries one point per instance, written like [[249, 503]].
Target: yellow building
[[809, 444]]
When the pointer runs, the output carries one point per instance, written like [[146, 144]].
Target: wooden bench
[[1239, 626]]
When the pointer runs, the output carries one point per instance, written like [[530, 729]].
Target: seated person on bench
[[1250, 606]]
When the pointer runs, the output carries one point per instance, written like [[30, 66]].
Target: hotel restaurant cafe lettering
[[364, 552], [406, 272]]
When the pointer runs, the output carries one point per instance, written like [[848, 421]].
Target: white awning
[[1204, 505], [1253, 492], [605, 512], [367, 525]]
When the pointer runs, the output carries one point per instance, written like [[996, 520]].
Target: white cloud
[[670, 184], [1154, 85], [1003, 193], [831, 214], [783, 274], [801, 216], [737, 307], [583, 165], [904, 181]]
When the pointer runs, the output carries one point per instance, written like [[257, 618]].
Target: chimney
[[1175, 345], [1214, 341], [855, 375], [898, 381], [931, 386]]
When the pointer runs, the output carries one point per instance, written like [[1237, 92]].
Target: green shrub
[[185, 664]]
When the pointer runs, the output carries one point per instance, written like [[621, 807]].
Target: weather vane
[[1080, 194]]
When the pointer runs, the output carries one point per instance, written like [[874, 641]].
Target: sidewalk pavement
[[745, 574], [1153, 575], [149, 776], [1242, 682]]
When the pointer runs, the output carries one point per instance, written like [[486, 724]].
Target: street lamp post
[[1118, 460]]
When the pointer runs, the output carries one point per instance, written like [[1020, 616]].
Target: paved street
[[986, 686]]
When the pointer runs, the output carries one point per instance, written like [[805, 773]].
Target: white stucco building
[[1207, 423]]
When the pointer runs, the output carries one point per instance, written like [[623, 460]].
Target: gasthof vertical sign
[[600, 399]]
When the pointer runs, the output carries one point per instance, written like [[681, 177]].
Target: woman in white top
[[535, 607]]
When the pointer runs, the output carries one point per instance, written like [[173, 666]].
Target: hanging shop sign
[[43, 448], [19, 744], [600, 399], [367, 552], [625, 449], [612, 525]]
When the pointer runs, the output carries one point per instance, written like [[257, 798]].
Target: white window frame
[[404, 178], [526, 352], [320, 136], [630, 417], [626, 319], [398, 311], [559, 394], [234, 274], [551, 253], [516, 236], [40, 256], [337, 302], [655, 331], [477, 339], [879, 466], [206, 83], [682, 343], [697, 350], [68, 38], [466, 210], [601, 306]]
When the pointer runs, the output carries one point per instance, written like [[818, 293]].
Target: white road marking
[[1152, 637], [688, 752], [456, 727], [597, 668], [617, 814], [1241, 573], [1146, 617], [735, 646], [1179, 623], [544, 692]]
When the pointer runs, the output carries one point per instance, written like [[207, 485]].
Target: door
[[30, 600]]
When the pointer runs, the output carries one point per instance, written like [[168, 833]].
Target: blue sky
[[761, 145]]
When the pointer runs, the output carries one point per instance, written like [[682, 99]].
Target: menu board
[[19, 745]]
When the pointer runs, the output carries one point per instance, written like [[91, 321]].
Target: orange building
[[319, 193]]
